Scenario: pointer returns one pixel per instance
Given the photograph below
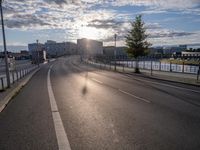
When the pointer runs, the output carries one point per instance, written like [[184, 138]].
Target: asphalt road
[[101, 110]]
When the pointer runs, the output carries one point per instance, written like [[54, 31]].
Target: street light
[[38, 56], [115, 51], [4, 44]]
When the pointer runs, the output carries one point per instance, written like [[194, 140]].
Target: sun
[[89, 33]]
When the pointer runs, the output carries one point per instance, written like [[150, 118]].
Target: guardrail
[[15, 76]]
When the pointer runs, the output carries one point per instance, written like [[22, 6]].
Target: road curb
[[7, 98]]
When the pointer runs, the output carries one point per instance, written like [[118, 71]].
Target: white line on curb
[[63, 142], [139, 98]]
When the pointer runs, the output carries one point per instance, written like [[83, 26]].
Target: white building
[[58, 49], [174, 49], [191, 54], [37, 52], [89, 47]]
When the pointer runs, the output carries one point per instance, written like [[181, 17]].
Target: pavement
[[8, 94], [101, 110]]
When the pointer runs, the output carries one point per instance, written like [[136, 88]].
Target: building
[[37, 52], [89, 47], [22, 55], [110, 51], [156, 50], [55, 49], [174, 49], [190, 54]]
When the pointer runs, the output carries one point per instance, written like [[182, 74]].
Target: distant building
[[191, 54], [37, 52], [110, 51], [89, 47], [174, 49], [155, 50], [22, 55], [59, 49]]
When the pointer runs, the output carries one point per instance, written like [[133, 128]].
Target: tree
[[136, 42]]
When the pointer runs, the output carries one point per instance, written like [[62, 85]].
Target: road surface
[[72, 105]]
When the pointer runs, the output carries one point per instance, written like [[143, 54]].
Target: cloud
[[167, 33], [105, 24], [161, 4], [71, 16]]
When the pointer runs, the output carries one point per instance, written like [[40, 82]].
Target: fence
[[159, 66], [148, 65], [14, 76]]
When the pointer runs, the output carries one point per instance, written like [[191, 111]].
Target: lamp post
[[38, 56], [115, 36], [4, 44]]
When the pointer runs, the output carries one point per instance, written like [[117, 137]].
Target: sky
[[167, 22]]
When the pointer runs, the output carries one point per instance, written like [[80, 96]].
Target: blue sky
[[169, 22]]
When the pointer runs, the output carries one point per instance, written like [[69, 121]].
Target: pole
[[198, 73], [115, 50], [151, 68], [4, 44], [38, 56]]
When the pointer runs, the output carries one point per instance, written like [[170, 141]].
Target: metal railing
[[15, 75], [148, 65]]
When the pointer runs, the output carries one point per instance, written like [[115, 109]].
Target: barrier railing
[[15, 75], [148, 65]]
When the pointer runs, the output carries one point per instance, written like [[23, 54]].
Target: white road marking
[[97, 80], [177, 87], [63, 142], [139, 98]]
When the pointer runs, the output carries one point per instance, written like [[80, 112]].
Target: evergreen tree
[[136, 42]]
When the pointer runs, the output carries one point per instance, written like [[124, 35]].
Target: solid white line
[[63, 142], [97, 80], [139, 98], [177, 87]]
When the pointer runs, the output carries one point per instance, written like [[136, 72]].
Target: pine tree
[[136, 42]]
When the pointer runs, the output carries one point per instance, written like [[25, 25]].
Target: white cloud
[[73, 16]]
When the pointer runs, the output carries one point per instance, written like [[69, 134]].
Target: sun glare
[[89, 32]]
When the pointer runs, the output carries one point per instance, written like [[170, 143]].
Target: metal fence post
[[110, 64], [159, 65], [151, 68], [170, 66], [17, 75], [183, 67], [13, 77], [198, 73], [2, 84]]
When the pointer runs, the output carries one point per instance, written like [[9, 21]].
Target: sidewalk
[[8, 94], [185, 78]]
